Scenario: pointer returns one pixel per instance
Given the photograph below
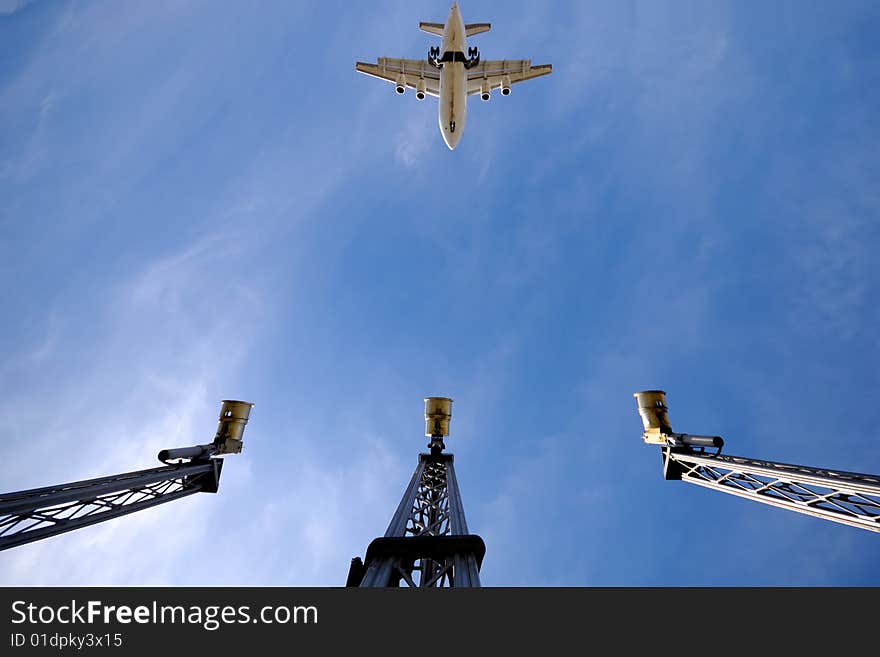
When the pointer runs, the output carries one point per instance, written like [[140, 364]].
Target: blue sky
[[204, 200]]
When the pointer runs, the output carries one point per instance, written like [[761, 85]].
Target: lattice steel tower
[[32, 515], [849, 498], [427, 543]]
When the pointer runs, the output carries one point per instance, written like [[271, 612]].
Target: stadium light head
[[230, 431], [655, 417], [438, 412]]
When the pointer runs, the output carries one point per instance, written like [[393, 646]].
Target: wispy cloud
[[8, 7], [832, 233], [308, 527], [415, 138], [139, 390], [203, 229]]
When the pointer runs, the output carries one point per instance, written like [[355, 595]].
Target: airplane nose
[[451, 139]]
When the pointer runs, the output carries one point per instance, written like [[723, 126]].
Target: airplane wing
[[432, 28], [496, 73], [409, 72], [477, 28]]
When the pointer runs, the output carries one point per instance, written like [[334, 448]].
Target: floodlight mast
[[32, 515], [427, 544], [849, 498]]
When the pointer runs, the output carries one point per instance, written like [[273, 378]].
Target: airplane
[[450, 76]]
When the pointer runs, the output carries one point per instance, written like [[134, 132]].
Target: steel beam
[[849, 498], [31, 515]]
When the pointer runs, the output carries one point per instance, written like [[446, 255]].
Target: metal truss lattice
[[429, 517], [430, 511], [31, 515], [426, 573], [844, 497], [427, 543]]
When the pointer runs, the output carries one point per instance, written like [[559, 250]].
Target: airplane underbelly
[[453, 102]]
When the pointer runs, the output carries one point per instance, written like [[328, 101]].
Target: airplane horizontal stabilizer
[[432, 28], [477, 28]]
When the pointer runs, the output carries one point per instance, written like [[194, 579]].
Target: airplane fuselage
[[452, 72], [453, 79]]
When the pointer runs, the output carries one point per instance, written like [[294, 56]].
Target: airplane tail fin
[[477, 28], [432, 28]]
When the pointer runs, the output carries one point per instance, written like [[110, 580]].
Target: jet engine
[[400, 87], [420, 90], [505, 86], [485, 91]]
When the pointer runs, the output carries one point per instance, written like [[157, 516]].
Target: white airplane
[[450, 76]]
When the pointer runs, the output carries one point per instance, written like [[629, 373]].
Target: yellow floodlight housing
[[233, 418], [655, 416], [438, 413]]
